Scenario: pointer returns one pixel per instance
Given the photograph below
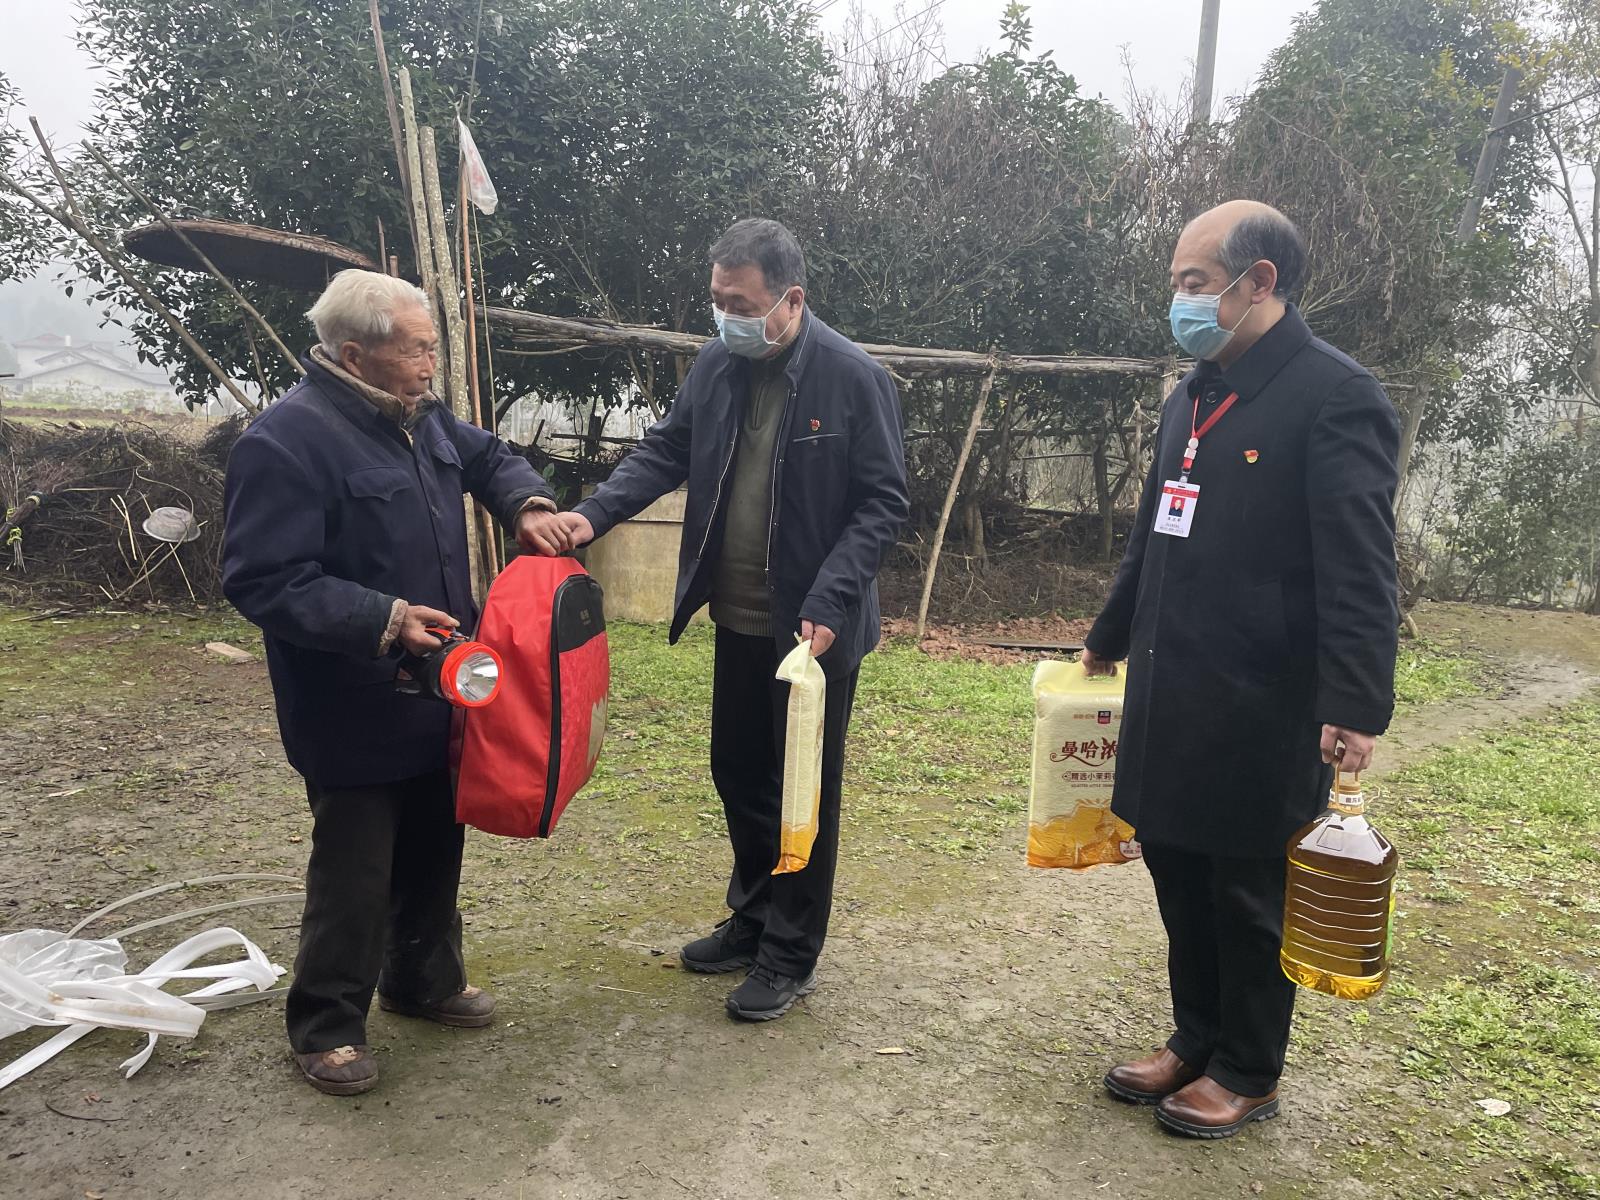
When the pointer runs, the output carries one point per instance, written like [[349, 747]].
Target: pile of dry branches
[[74, 501]]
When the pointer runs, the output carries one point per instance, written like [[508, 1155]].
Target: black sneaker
[[730, 946], [766, 995]]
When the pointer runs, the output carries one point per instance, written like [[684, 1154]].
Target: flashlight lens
[[477, 677]]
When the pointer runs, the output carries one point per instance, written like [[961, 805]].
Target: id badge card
[[1175, 513]]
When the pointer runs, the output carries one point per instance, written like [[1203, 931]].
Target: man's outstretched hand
[[576, 528], [542, 532]]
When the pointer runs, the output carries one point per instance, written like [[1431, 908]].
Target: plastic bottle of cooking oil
[[1339, 899]]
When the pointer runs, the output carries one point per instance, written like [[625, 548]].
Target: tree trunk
[[972, 522], [1411, 411], [1594, 355], [1105, 502]]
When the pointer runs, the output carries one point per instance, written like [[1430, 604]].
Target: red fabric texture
[[550, 705]]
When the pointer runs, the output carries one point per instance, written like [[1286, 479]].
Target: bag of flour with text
[[1077, 718]]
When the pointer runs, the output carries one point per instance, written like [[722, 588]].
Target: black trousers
[[748, 718], [1231, 1002], [380, 907]]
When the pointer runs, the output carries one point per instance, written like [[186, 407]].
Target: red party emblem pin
[[815, 424], [1251, 455]]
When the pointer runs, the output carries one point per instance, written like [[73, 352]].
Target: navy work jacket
[[838, 486], [332, 514]]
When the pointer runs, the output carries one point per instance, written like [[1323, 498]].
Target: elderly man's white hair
[[359, 306]]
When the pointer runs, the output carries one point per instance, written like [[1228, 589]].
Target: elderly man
[[1256, 606], [789, 438], [346, 541]]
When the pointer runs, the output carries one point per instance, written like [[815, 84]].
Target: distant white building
[[49, 368]]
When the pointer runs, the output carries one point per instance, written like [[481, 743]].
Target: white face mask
[[747, 336]]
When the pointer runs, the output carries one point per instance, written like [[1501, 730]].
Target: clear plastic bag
[[802, 758], [45, 957], [1076, 725]]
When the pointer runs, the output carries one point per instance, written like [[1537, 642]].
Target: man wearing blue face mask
[[1256, 609], [789, 438]]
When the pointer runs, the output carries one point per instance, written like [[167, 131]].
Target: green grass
[[1427, 672], [78, 657], [1519, 809], [937, 760], [1495, 992]]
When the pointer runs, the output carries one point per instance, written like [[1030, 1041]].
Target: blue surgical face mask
[[746, 336], [1194, 322]]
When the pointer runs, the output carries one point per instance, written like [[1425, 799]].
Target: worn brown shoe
[[1206, 1109], [345, 1071], [470, 1008], [1149, 1079]]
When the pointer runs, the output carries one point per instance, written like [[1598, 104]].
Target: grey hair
[[1270, 236], [359, 306], [769, 246]]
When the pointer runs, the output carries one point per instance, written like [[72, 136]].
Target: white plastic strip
[[84, 1001]]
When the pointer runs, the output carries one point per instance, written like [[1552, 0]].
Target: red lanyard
[[1195, 435]]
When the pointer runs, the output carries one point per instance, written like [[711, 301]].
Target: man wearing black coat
[[1256, 608], [789, 439], [345, 541]]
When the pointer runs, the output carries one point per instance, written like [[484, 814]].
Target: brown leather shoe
[[470, 1008], [345, 1071], [1206, 1109], [1149, 1079]]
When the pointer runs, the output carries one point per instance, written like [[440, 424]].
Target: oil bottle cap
[[1346, 796]]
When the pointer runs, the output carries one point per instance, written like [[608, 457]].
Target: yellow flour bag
[[802, 758], [1076, 722]]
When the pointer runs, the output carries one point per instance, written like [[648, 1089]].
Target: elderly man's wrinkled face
[[403, 364]]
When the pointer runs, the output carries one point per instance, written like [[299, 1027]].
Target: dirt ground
[[133, 758]]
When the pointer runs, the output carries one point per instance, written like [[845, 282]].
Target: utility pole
[[1416, 403], [1492, 145], [1205, 63]]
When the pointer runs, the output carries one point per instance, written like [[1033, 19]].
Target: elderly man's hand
[[820, 637], [1350, 748], [542, 532], [414, 635]]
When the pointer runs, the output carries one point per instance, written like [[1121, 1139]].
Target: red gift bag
[[521, 758]]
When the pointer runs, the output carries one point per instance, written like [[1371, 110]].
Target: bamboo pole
[[448, 299], [417, 206], [402, 158], [491, 549], [950, 500], [70, 219], [215, 271], [444, 277]]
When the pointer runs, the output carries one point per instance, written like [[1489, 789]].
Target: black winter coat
[[1277, 614], [838, 487], [332, 515]]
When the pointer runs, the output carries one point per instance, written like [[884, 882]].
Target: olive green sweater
[[739, 597]]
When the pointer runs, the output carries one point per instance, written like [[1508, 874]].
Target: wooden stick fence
[[539, 333]]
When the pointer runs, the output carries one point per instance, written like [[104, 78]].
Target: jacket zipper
[[777, 462], [552, 784], [711, 520]]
